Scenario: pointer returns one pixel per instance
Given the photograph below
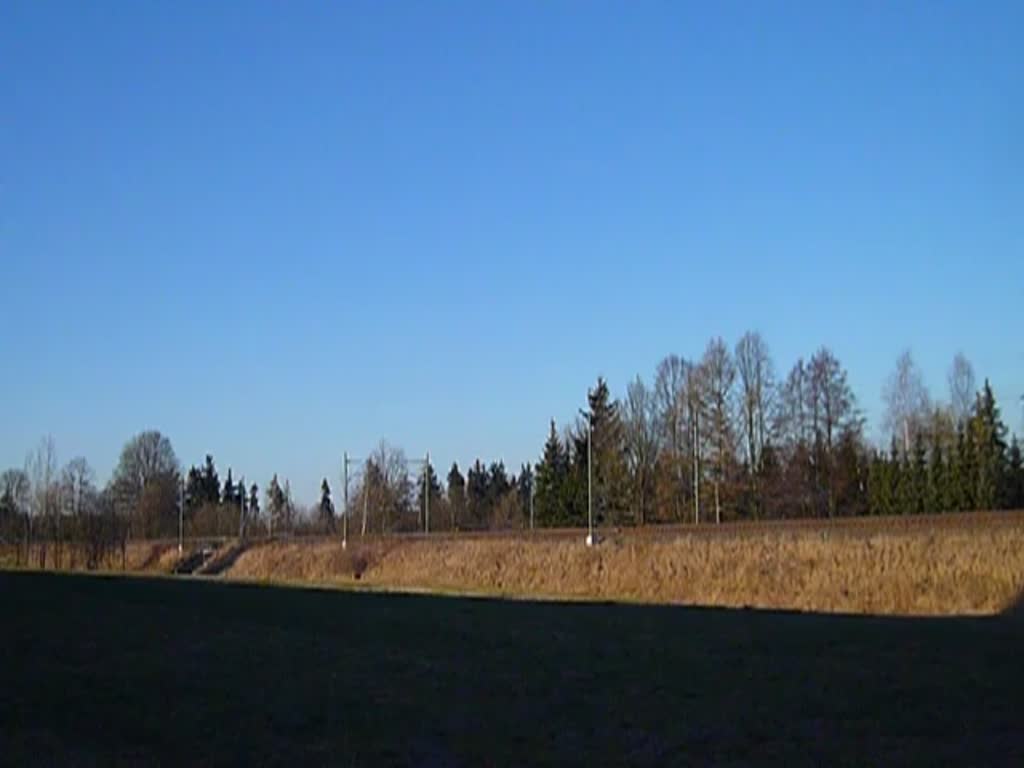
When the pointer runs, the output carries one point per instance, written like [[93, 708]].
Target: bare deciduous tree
[[719, 376], [145, 458], [907, 404], [695, 397], [386, 487], [962, 387], [41, 468], [833, 411], [77, 492], [641, 444], [15, 500], [757, 397], [757, 391], [669, 405], [77, 478]]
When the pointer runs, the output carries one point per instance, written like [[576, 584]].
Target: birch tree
[[962, 388], [907, 404]]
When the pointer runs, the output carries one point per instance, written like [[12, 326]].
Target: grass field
[[114, 670]]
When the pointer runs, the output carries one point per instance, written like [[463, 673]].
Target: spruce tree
[[434, 487], [938, 481], [525, 488], [497, 484], [611, 476], [965, 476], [228, 495], [1015, 477], [892, 480], [919, 474], [905, 486], [254, 502], [476, 495], [326, 507], [210, 485], [456, 497], [552, 471], [889, 485], [990, 444], [194, 489], [876, 485]]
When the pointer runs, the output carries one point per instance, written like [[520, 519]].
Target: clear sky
[[277, 231]]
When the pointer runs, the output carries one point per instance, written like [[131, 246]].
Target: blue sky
[[279, 231]]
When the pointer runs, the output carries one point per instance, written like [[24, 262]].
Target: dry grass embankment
[[967, 565]]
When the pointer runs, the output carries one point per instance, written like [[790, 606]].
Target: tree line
[[716, 438], [722, 437]]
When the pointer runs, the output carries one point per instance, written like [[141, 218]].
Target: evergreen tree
[[877, 503], [574, 490], [209, 483], [194, 489], [275, 506], [890, 486], [611, 475], [477, 496], [1015, 473], [938, 481], [552, 472], [990, 443], [525, 488], [456, 497], [326, 507], [497, 484], [919, 474], [227, 497], [769, 481], [254, 502], [239, 500], [891, 480], [288, 506], [905, 485], [435, 496], [965, 476], [850, 475]]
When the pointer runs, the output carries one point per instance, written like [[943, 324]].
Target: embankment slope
[[976, 567]]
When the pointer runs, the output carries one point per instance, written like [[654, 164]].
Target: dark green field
[[99, 671]]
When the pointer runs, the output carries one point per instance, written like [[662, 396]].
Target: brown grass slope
[[966, 565]]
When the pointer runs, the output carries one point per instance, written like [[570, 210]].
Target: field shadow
[[485, 680]]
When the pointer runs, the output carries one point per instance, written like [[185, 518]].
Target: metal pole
[[344, 511]]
